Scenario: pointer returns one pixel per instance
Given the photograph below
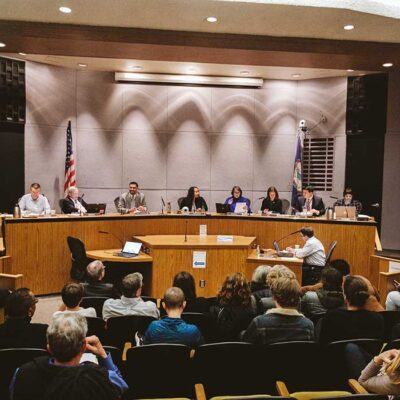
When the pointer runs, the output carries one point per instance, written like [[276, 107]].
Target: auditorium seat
[[203, 322], [78, 258], [391, 318], [95, 302], [97, 327], [330, 252]]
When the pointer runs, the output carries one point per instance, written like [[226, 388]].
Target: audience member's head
[[279, 271], [341, 265], [185, 281], [132, 285], [66, 336], [72, 294], [286, 292], [260, 274], [331, 279], [356, 291], [95, 271], [235, 291], [371, 290], [174, 299], [20, 304]]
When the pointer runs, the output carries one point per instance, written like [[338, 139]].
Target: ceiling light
[[22, 54], [387, 65], [350, 70], [82, 65], [348, 27], [211, 19], [2, 44], [137, 67], [296, 75], [244, 72], [65, 10]]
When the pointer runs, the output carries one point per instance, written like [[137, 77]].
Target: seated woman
[[237, 197], [354, 322], [234, 310], [193, 201], [272, 203], [258, 285], [185, 281]]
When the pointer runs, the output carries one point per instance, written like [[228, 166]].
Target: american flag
[[69, 162], [297, 173]]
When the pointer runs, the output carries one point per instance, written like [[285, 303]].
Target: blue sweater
[[232, 202]]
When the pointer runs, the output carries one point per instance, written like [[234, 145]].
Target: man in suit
[[73, 203], [313, 204], [132, 201], [94, 286]]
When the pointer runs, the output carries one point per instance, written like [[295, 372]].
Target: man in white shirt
[[34, 202], [130, 302], [313, 255], [132, 201]]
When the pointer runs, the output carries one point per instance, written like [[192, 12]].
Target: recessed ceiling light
[[65, 10], [82, 65], [348, 27], [296, 75], [22, 54], [2, 44], [244, 72], [387, 65], [350, 70], [211, 19]]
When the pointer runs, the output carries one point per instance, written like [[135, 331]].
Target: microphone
[[290, 234], [186, 231], [261, 198], [162, 205], [112, 234], [334, 197], [376, 205], [80, 201]]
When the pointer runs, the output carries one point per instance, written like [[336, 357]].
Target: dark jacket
[[19, 332], [68, 205], [316, 203], [259, 291], [99, 289], [199, 202], [321, 301], [279, 325], [275, 206]]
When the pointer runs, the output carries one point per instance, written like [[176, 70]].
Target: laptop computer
[[222, 208], [130, 249], [280, 253], [347, 212], [96, 208]]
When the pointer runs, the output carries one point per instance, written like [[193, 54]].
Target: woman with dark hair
[[193, 201], [272, 203], [353, 322], [234, 310], [349, 201], [237, 197], [185, 281]]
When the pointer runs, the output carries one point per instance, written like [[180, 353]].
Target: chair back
[[95, 302], [204, 323], [116, 202], [149, 298], [173, 380], [123, 329], [116, 355], [97, 327], [330, 251], [10, 360], [60, 204], [180, 201], [285, 206], [391, 318], [78, 256]]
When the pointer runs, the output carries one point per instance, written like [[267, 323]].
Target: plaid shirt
[[353, 203]]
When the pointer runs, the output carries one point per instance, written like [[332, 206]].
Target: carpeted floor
[[45, 308]]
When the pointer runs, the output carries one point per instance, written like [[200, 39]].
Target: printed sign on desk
[[394, 266], [199, 259], [203, 230]]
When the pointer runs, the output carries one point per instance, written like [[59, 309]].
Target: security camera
[[303, 125]]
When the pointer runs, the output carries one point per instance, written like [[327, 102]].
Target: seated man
[[130, 302], [313, 255], [310, 203], [94, 286], [17, 330], [67, 341], [173, 329], [34, 202], [349, 201], [71, 295], [73, 203], [283, 323], [132, 201]]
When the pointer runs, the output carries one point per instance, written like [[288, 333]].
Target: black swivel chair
[[180, 201], [116, 202], [78, 257], [330, 251], [285, 206]]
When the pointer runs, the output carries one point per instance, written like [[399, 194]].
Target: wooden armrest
[[200, 392], [282, 389], [357, 387], [390, 274]]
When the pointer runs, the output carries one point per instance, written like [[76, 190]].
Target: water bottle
[[17, 211], [258, 252]]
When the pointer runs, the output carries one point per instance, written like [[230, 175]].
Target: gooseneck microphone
[[186, 225], [80, 201], [162, 205], [290, 234], [334, 197], [112, 234]]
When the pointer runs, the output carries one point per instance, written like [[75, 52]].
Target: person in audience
[[349, 201], [313, 255], [94, 285], [34, 202], [73, 203], [71, 295], [66, 342], [132, 201], [310, 203], [373, 301], [237, 197], [173, 329], [284, 322], [258, 285], [355, 321], [393, 298], [130, 302], [234, 310], [17, 330], [328, 297], [193, 201], [185, 281], [272, 203]]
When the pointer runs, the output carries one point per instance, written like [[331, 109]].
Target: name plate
[[224, 238]]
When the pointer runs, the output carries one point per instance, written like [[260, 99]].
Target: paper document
[[199, 259], [394, 266], [224, 238], [203, 230]]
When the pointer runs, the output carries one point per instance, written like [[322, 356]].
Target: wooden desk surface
[[108, 255], [272, 258], [194, 241]]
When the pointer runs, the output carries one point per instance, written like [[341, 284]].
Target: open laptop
[[131, 249], [345, 212], [222, 208], [96, 208], [280, 253]]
